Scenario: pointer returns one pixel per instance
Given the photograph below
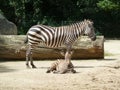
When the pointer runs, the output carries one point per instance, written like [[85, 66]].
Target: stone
[[7, 27]]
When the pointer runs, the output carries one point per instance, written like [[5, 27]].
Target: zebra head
[[89, 30]]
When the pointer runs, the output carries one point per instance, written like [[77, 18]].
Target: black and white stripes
[[55, 36]]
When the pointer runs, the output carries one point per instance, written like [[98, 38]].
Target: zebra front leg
[[68, 53]]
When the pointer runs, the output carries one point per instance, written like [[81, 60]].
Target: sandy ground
[[103, 74]]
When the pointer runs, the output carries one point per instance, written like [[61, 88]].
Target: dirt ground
[[102, 74]]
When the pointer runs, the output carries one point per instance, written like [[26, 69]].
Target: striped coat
[[56, 36]]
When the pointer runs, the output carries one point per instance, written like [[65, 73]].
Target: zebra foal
[[55, 36], [62, 66]]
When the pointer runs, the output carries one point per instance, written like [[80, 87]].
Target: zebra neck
[[81, 30]]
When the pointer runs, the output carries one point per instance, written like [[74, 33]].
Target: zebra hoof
[[34, 67], [73, 71], [48, 71]]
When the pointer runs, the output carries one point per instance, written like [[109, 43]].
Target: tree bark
[[83, 48]]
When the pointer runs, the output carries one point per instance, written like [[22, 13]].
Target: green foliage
[[26, 13], [107, 5]]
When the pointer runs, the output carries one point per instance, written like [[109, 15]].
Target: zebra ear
[[90, 22]]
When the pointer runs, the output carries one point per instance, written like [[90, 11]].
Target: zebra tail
[[21, 46], [26, 40]]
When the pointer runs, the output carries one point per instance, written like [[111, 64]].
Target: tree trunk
[[83, 48]]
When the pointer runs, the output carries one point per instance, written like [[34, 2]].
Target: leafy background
[[26, 13]]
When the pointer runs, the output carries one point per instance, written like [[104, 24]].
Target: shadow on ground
[[107, 59], [4, 69]]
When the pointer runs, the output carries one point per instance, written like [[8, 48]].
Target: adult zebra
[[55, 36]]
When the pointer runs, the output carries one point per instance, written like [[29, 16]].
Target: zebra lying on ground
[[62, 66], [55, 36]]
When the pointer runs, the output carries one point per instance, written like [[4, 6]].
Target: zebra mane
[[87, 21]]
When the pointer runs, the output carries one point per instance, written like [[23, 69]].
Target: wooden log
[[83, 48]]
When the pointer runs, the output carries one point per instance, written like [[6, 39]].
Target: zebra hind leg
[[31, 61], [57, 72], [48, 71], [52, 68], [29, 57]]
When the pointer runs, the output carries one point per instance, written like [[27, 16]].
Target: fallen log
[[83, 48]]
